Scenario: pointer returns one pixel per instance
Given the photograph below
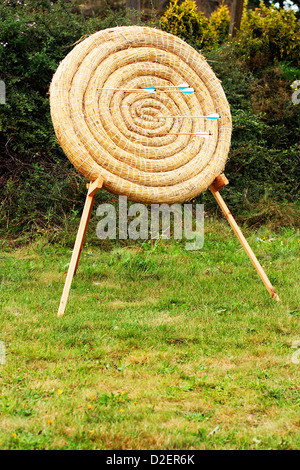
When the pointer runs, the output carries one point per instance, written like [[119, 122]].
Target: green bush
[[219, 23], [267, 35], [186, 22], [190, 24], [35, 175], [264, 158], [34, 37]]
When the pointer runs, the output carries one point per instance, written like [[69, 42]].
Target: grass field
[[159, 347]]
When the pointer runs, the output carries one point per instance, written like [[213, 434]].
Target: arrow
[[209, 116], [181, 86], [202, 134], [152, 89]]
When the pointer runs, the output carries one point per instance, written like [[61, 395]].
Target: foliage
[[41, 201], [264, 159], [34, 172], [34, 37], [282, 3], [219, 23], [268, 34], [188, 23]]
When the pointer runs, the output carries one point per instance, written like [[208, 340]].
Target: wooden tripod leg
[[216, 185], [86, 214], [93, 188]]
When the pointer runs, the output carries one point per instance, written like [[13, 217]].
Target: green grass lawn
[[159, 347]]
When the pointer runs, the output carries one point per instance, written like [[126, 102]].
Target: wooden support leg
[[86, 214], [219, 182]]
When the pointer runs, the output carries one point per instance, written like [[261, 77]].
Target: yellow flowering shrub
[[219, 23], [186, 22], [267, 35]]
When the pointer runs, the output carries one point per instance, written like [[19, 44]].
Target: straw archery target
[[127, 137]]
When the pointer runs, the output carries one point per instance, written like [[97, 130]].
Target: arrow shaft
[[132, 90], [181, 133], [179, 117], [145, 90]]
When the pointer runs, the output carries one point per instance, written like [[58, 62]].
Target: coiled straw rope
[[106, 131]]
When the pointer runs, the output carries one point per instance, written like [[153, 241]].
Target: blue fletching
[[188, 91], [212, 116], [183, 85]]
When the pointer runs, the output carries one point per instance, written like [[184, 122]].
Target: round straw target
[[115, 103]]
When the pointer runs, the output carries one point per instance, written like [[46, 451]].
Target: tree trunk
[[134, 4], [236, 17]]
